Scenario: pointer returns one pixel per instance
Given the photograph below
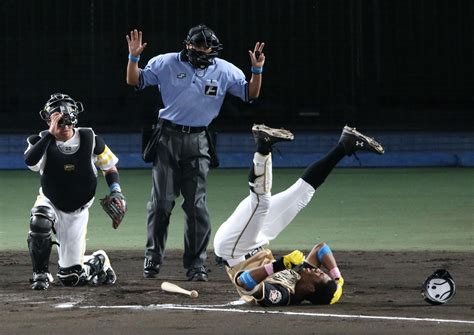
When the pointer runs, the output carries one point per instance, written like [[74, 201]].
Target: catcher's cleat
[[150, 269], [41, 280], [353, 141], [197, 274], [270, 136], [107, 275]]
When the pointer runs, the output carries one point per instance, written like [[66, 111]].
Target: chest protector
[[69, 180]]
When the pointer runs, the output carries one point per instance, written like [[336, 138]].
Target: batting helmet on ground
[[438, 288]]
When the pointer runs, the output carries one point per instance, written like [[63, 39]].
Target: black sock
[[263, 148], [316, 173]]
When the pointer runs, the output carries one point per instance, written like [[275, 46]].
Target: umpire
[[193, 84]]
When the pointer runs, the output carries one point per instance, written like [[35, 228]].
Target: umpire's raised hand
[[135, 48], [257, 57]]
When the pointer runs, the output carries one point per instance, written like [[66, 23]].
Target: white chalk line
[[218, 308]]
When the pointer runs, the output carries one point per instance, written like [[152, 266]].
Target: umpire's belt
[[234, 261], [184, 129]]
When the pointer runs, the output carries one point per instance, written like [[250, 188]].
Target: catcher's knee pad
[[260, 176], [72, 276], [39, 237], [41, 220]]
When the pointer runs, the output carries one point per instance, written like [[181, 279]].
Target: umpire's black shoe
[[150, 269], [270, 136], [41, 280], [353, 141], [197, 274]]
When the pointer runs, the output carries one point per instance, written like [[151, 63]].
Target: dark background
[[388, 65]]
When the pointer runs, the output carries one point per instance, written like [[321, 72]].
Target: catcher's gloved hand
[[115, 206], [289, 261]]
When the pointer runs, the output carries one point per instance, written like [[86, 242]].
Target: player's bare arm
[[135, 49], [257, 58], [252, 278]]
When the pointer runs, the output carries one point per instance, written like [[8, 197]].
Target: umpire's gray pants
[[180, 167]]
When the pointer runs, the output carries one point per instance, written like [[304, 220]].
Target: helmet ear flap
[[80, 107], [44, 115]]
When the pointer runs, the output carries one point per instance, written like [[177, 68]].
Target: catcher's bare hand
[[115, 205], [135, 46]]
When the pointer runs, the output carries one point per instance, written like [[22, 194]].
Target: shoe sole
[[151, 275], [39, 287], [370, 141], [279, 133]]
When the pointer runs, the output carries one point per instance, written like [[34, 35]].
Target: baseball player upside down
[[241, 240]]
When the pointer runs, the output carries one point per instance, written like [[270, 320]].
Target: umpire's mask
[[203, 37], [438, 288], [64, 104]]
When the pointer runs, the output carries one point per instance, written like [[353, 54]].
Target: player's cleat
[[353, 141], [107, 275], [95, 269], [41, 280], [270, 136], [197, 274], [150, 268]]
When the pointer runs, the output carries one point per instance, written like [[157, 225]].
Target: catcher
[[240, 241], [67, 159]]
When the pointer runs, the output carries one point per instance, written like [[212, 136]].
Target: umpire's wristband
[[133, 58]]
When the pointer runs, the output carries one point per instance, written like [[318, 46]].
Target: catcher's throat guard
[[438, 288]]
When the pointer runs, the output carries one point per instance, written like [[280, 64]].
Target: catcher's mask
[[64, 104], [203, 37], [438, 288]]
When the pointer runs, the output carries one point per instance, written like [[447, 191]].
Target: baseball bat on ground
[[173, 288]]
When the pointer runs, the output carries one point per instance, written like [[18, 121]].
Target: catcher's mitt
[[115, 206]]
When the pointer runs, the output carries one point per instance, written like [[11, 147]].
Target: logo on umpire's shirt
[[210, 90], [181, 75]]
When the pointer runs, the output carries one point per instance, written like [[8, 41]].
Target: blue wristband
[[256, 70], [247, 279], [133, 58], [114, 187]]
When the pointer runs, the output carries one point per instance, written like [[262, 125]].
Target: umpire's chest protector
[[70, 180]]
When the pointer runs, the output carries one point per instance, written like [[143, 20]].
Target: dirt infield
[[381, 296]]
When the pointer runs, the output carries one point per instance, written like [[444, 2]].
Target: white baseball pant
[[260, 218]]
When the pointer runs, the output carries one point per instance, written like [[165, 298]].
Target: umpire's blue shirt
[[192, 97]]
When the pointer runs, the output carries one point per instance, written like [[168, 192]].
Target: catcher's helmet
[[204, 37], [62, 103], [439, 288]]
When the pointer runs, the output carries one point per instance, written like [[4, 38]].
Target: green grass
[[356, 209]]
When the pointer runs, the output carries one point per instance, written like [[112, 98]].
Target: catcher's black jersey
[[69, 180]]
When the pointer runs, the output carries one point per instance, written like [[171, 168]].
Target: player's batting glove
[[115, 205], [337, 295], [289, 261]]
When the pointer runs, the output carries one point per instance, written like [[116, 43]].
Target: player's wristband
[[256, 69], [133, 58], [112, 179], [115, 187]]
